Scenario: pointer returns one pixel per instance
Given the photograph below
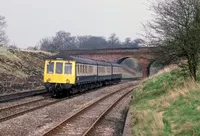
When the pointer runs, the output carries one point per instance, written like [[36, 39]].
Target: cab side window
[[59, 68], [50, 68]]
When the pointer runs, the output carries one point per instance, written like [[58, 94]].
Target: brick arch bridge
[[142, 55]]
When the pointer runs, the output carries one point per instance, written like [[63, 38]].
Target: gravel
[[20, 101], [36, 122], [113, 122]]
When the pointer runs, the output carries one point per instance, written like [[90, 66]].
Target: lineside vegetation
[[167, 105], [175, 32]]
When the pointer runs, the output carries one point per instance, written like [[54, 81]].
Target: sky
[[28, 21]]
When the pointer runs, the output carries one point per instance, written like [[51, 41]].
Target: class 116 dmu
[[70, 74]]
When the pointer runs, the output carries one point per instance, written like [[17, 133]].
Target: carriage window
[[81, 69], [85, 68], [92, 70], [68, 68], [78, 69], [50, 68], [59, 67]]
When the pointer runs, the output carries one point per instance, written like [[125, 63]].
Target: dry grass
[[165, 104], [149, 121], [20, 70], [166, 69], [171, 96], [4, 53], [39, 51]]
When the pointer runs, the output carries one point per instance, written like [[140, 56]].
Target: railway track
[[21, 95], [23, 108], [13, 111], [84, 120], [16, 96]]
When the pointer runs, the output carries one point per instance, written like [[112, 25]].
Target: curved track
[[13, 111], [83, 120]]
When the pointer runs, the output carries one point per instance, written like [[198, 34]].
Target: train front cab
[[59, 74]]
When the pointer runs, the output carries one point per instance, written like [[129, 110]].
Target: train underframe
[[57, 89]]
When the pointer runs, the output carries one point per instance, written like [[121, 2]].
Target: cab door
[[69, 72]]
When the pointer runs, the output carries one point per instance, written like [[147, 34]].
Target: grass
[[20, 70], [167, 105], [4, 53], [8, 61], [20, 63]]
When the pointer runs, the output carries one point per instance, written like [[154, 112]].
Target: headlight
[[67, 81], [49, 79]]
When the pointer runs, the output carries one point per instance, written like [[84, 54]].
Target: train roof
[[104, 63], [79, 59]]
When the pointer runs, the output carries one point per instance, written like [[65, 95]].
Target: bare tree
[[113, 40], [138, 43], [135, 43], [175, 31], [92, 42], [127, 42], [62, 41], [46, 44], [3, 37], [82, 39], [13, 47]]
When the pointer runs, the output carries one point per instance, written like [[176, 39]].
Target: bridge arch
[[148, 67], [122, 59], [131, 65], [151, 64]]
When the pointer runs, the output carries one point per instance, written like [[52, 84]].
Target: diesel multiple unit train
[[70, 74]]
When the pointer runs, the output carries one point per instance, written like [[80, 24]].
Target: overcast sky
[[30, 20]]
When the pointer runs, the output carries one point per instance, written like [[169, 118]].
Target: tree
[[138, 42], [63, 40], [92, 42], [46, 44], [81, 40], [127, 42], [175, 32], [3, 37], [113, 40], [135, 43], [13, 47]]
